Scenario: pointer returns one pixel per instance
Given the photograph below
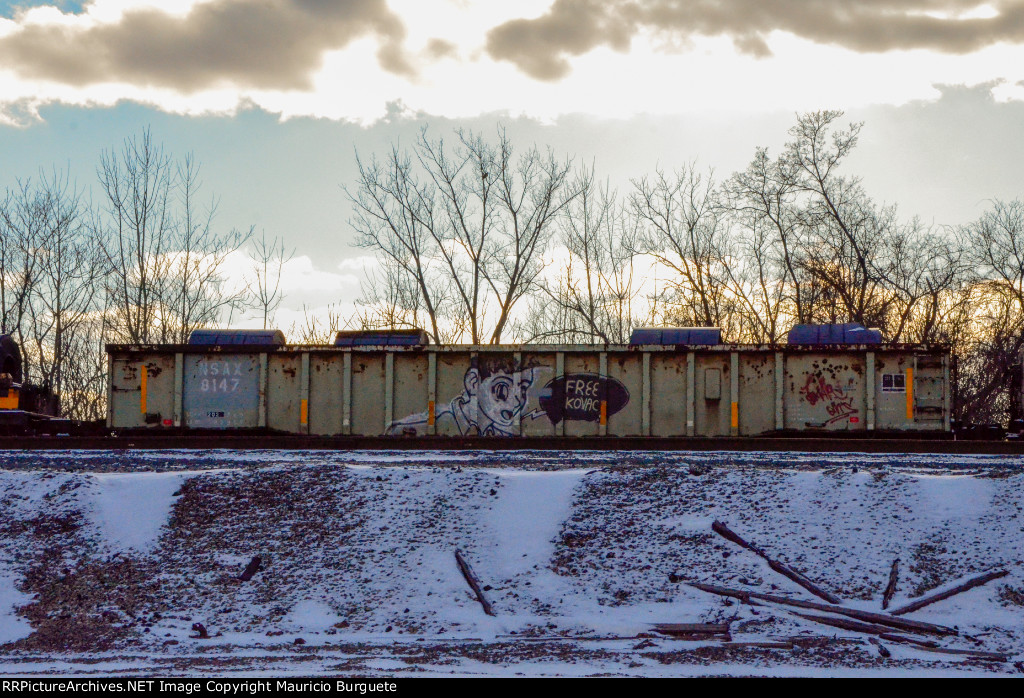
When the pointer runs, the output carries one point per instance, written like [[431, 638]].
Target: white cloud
[[300, 277], [308, 293], [653, 77]]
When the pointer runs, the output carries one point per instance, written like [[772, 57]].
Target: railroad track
[[150, 440]]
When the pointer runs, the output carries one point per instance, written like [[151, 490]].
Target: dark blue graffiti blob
[[578, 396]]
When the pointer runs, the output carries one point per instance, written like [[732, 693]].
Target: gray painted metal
[[261, 416], [691, 393], [221, 391], [946, 394], [431, 393], [779, 376], [646, 399], [179, 386], [517, 362], [869, 376], [389, 390], [560, 373], [110, 391], [533, 390], [346, 394]]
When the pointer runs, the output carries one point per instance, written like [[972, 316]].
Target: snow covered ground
[[108, 561]]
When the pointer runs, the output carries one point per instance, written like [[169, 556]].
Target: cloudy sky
[[274, 97]]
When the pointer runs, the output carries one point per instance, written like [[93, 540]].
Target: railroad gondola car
[[668, 382]]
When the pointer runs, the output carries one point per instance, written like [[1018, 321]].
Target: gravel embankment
[[107, 561]]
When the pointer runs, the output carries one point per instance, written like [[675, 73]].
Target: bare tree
[[594, 297], [393, 218], [195, 292], [71, 273], [683, 231], [392, 299], [926, 271], [756, 281], [842, 232], [838, 256], [763, 198], [23, 227], [315, 329], [533, 190], [263, 284], [464, 200], [165, 259], [51, 286], [84, 374], [994, 247], [463, 225], [137, 184]]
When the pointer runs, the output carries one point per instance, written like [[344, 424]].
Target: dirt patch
[[928, 564], [1011, 596], [91, 606]]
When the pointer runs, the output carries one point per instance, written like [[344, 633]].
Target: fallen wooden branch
[[474, 583], [252, 568], [803, 581], [812, 640], [583, 638], [788, 572], [890, 588], [904, 624], [881, 631], [730, 535], [568, 638], [760, 645], [976, 654], [846, 624], [694, 631], [882, 649], [763, 644], [908, 640], [958, 589]]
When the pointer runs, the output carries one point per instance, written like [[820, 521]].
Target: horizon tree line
[[478, 240], [143, 263], [470, 233]]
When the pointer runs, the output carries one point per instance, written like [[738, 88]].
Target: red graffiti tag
[[837, 403]]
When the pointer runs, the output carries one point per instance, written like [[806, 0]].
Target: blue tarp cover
[[676, 335], [222, 337], [381, 338], [843, 333]]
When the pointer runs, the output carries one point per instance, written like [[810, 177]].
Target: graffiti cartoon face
[[501, 399]]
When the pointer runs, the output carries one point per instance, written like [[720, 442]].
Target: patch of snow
[[528, 515], [130, 509], [311, 616], [12, 627], [952, 498]]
